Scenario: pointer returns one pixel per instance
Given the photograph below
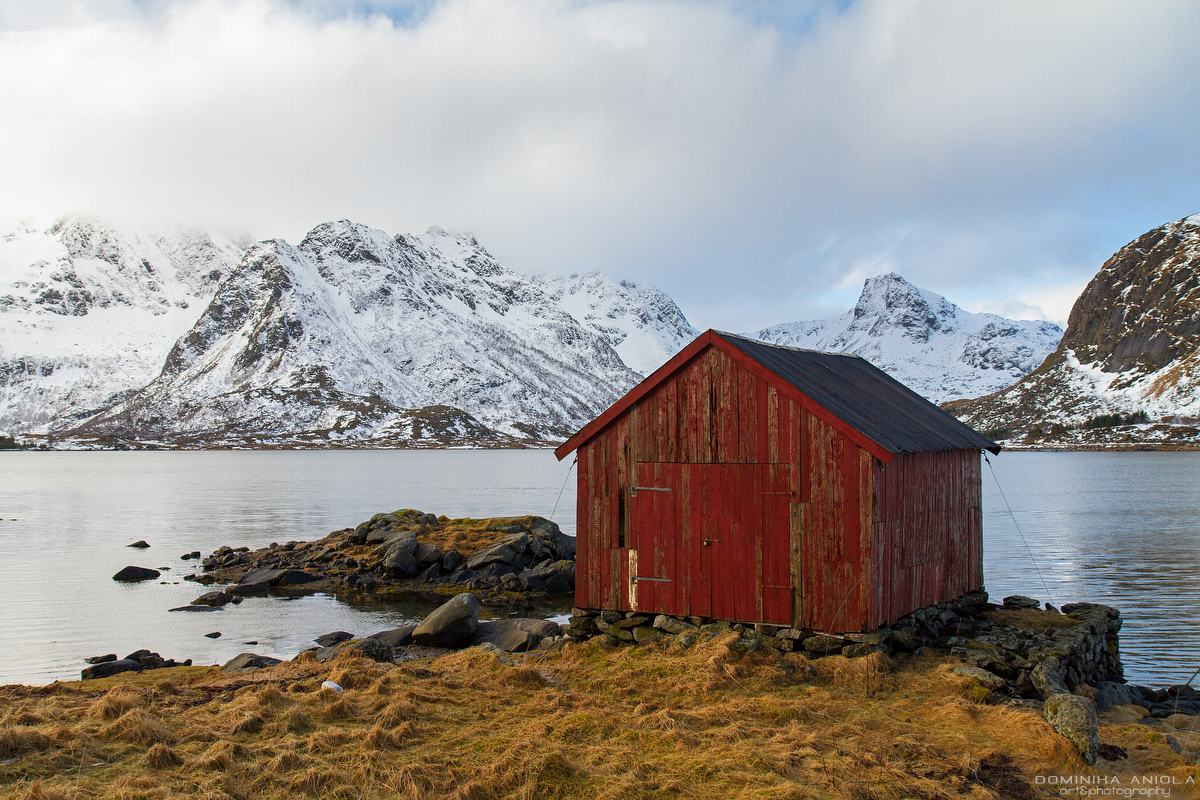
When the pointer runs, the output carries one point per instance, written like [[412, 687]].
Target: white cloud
[[709, 148], [1048, 302]]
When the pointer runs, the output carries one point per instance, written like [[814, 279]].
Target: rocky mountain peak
[[925, 341], [1131, 351], [889, 302], [1142, 310]]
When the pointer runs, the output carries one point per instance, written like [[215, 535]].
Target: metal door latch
[[710, 541], [633, 490]]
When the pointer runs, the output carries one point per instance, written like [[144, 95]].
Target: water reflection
[[1115, 528]]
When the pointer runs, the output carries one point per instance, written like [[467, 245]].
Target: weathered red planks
[[806, 525]]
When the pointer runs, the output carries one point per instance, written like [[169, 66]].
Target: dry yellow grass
[[468, 535], [586, 721]]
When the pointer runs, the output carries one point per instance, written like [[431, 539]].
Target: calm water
[[1117, 528], [75, 512]]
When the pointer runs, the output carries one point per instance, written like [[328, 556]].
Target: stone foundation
[[1083, 649]]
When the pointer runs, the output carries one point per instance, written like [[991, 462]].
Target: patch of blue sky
[[402, 13]]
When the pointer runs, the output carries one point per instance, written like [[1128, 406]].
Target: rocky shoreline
[[1064, 664], [394, 554]]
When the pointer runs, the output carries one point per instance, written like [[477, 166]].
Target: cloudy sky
[[756, 160]]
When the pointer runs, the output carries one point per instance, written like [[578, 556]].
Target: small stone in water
[[214, 635]]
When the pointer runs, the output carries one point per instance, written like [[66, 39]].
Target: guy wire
[[1032, 560]]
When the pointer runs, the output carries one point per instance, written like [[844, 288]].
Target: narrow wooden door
[[656, 538]]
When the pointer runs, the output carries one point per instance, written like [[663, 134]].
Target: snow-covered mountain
[[358, 336], [925, 341], [640, 322], [88, 313], [1132, 345]]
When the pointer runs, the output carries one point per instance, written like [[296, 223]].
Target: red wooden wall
[[773, 514], [927, 531]]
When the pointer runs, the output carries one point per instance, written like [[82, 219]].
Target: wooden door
[[655, 580], [713, 540]]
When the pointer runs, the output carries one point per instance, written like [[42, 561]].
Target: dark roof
[[865, 397]]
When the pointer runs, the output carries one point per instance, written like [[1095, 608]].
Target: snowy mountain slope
[[641, 323], [925, 341], [345, 335], [1132, 345], [87, 313]]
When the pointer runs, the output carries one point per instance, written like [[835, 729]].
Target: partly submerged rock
[[106, 668], [330, 639], [212, 599], [136, 574], [139, 544]]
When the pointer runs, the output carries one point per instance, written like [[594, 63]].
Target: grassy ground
[[585, 721]]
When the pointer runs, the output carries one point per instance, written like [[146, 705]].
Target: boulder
[[1110, 695], [645, 633], [1048, 680], [824, 643], [1074, 718], [244, 662], [672, 625], [106, 668], [516, 635], [140, 544], [294, 577], [497, 553], [859, 649], [396, 637], [217, 599], [532, 583], [451, 560], [1019, 602], [984, 678], [330, 639], [452, 625], [426, 554], [136, 574], [374, 649], [558, 583], [267, 577], [101, 659], [431, 573], [397, 555]]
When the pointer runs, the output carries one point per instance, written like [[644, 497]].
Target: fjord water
[[1115, 528], [68, 516], [1121, 529]]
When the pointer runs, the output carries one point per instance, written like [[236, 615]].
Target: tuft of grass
[[159, 756], [114, 703], [137, 726]]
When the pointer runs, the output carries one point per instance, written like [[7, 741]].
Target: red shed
[[751, 482]]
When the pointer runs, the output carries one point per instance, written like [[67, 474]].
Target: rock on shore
[[407, 550]]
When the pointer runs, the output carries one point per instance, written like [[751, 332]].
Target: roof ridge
[[728, 335]]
